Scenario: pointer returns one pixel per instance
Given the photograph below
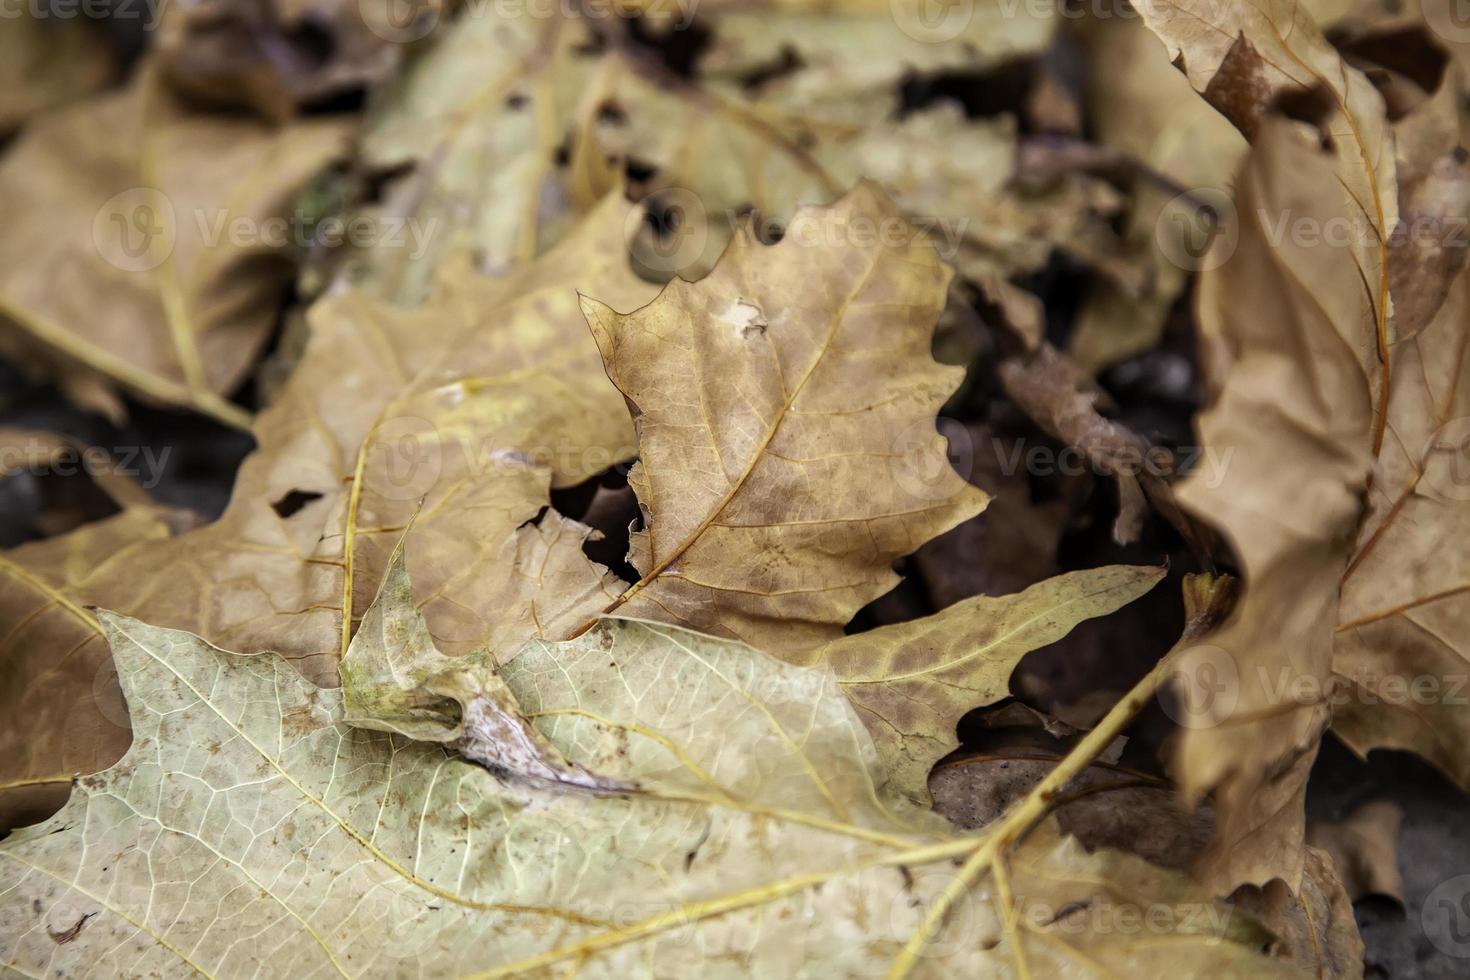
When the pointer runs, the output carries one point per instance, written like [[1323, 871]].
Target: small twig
[[1207, 601]]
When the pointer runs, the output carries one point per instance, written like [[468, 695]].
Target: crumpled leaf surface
[[1401, 602], [763, 396], [131, 198], [469, 441], [1401, 643], [394, 679], [516, 125], [1244, 56], [247, 801], [910, 682], [1289, 502]]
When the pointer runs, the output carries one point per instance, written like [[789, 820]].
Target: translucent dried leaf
[[246, 801]]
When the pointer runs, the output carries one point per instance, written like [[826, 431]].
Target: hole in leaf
[[293, 501]]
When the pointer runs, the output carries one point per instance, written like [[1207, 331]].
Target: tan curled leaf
[[1242, 57], [1364, 848], [1292, 431], [912, 682], [1396, 665], [756, 838], [154, 215], [1049, 388], [1402, 642], [785, 409]]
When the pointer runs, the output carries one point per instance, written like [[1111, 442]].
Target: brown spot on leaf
[[1240, 89], [67, 935]]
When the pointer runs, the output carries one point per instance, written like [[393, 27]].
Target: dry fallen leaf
[[1296, 418], [911, 682], [763, 395], [309, 530], [363, 851], [157, 216], [64, 714], [30, 48], [1364, 849], [1400, 642], [1243, 58], [1398, 609]]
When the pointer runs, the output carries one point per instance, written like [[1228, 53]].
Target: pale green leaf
[[250, 830]]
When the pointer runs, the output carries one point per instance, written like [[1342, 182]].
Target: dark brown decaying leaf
[[1053, 391]]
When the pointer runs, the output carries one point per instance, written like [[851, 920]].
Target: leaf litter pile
[[728, 488]]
